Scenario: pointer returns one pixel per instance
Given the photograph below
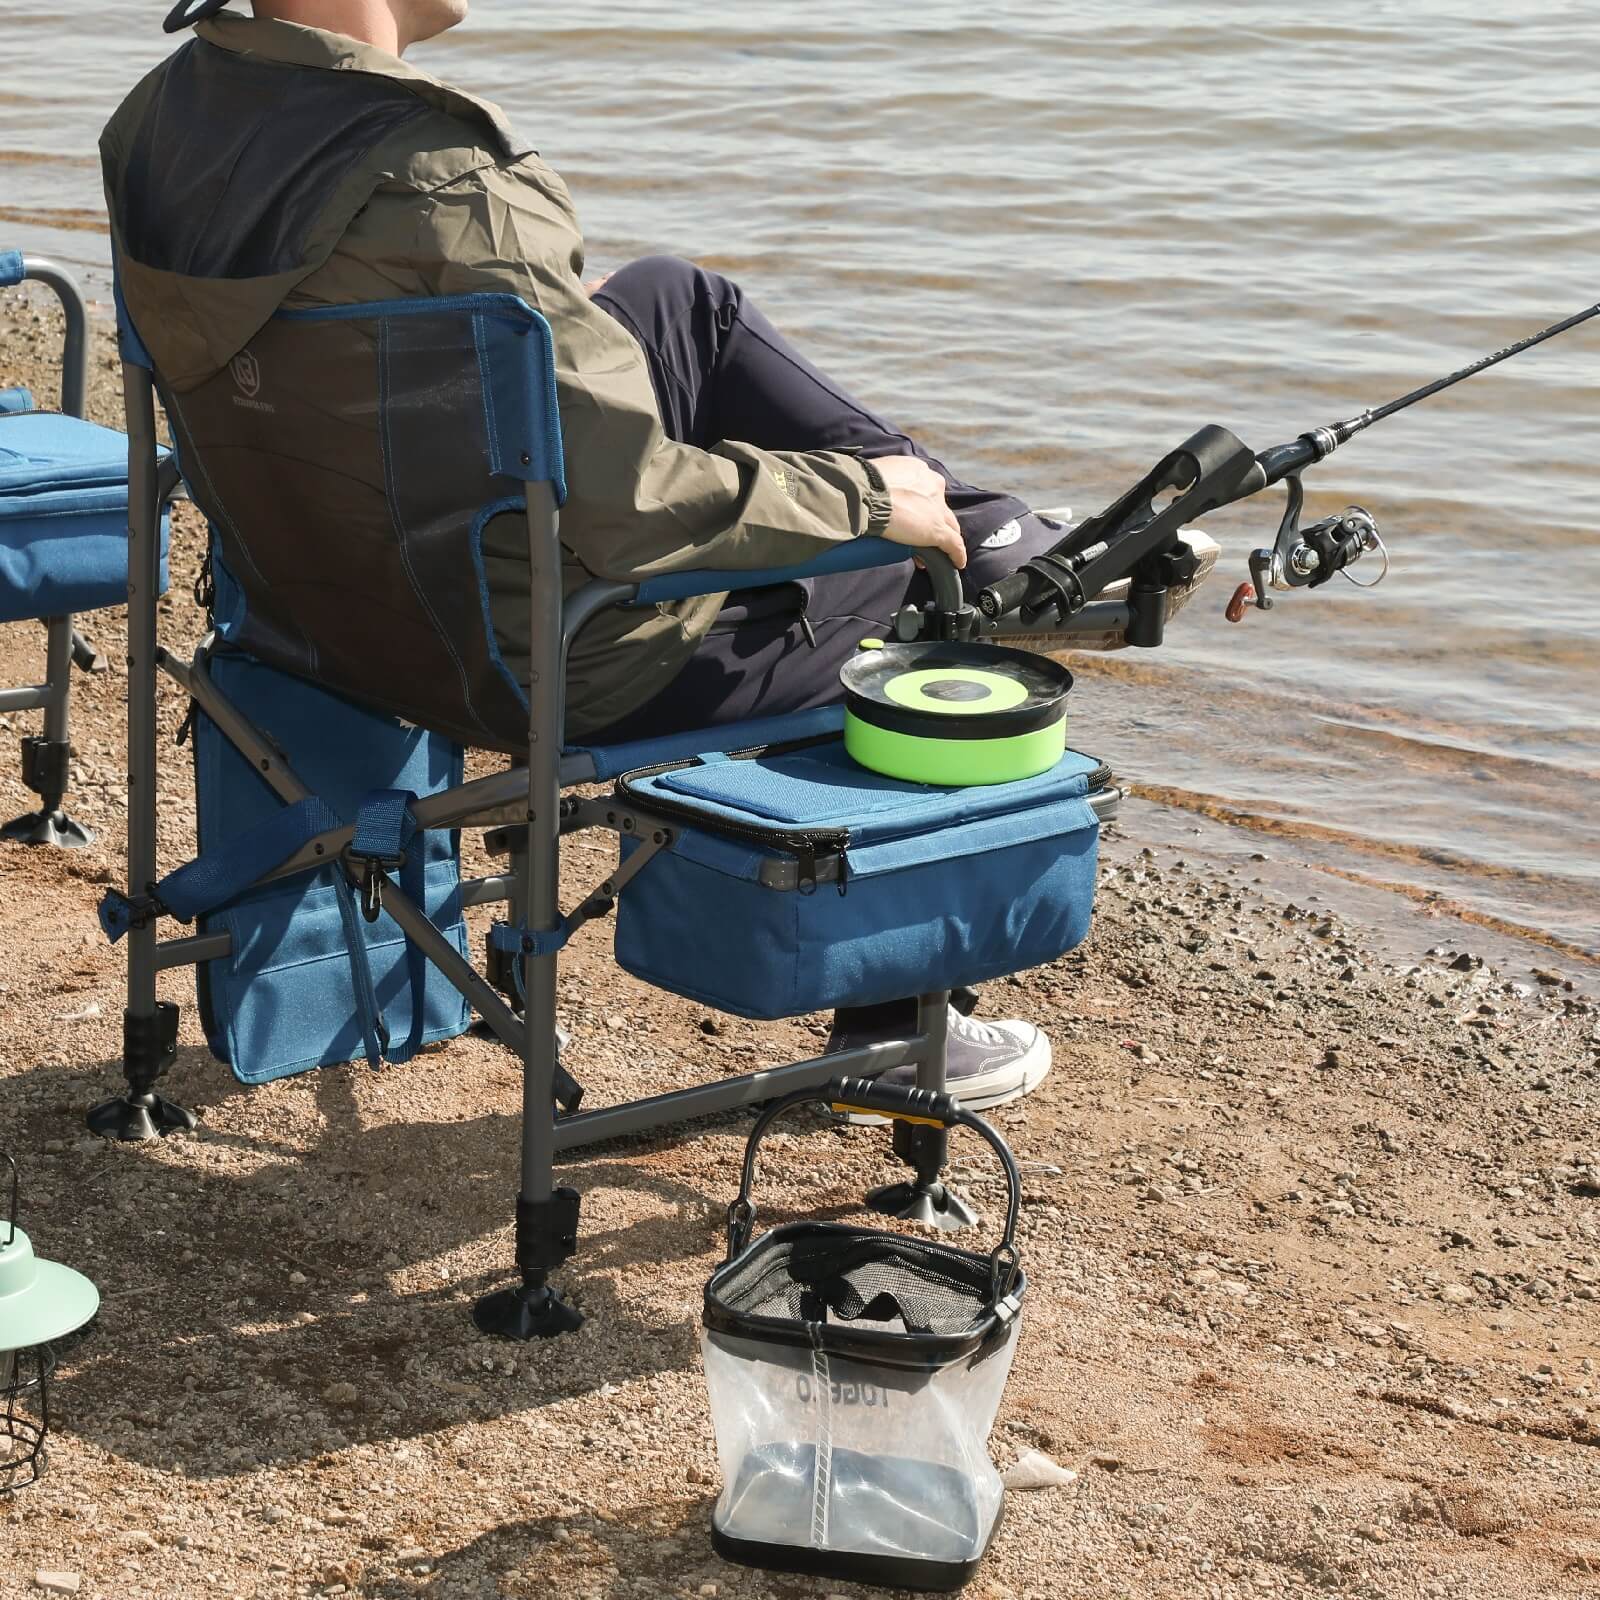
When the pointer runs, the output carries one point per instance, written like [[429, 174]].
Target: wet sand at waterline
[[1055, 240], [1311, 1222]]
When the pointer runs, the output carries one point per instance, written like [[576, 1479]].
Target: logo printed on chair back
[[246, 372]]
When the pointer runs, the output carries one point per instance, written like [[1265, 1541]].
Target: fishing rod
[[1138, 535]]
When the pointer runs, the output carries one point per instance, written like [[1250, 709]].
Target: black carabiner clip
[[372, 879]]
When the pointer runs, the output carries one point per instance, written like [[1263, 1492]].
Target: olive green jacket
[[443, 198]]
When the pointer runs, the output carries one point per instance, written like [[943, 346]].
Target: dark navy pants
[[722, 372]]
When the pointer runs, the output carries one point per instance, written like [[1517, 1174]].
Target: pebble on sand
[[57, 1582], [1035, 1470]]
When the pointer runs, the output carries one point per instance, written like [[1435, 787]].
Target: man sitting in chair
[[313, 167]]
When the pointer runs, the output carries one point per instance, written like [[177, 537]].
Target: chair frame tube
[[50, 825]]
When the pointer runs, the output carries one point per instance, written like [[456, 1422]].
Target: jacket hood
[[230, 179]]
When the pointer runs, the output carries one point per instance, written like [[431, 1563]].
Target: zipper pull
[[844, 874], [808, 630]]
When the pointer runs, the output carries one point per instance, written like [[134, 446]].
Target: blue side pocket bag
[[285, 1000], [798, 881]]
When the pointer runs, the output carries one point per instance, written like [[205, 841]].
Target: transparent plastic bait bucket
[[854, 1376]]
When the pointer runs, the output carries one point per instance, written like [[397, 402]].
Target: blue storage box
[[285, 1000], [798, 881], [63, 516]]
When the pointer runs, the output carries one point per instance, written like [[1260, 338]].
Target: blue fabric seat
[[63, 516]]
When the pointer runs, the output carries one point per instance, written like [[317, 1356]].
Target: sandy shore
[[1313, 1234]]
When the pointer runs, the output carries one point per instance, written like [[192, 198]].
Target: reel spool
[[954, 714]]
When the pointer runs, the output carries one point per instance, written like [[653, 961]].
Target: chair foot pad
[[531, 1312], [47, 827]]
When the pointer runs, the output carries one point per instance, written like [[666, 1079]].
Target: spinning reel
[[1307, 558]]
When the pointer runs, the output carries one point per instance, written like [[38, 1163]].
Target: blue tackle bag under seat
[[798, 881], [286, 999], [63, 515]]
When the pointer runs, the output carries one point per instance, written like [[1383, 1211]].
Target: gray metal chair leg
[[924, 1197], [149, 1026], [547, 1216], [45, 759]]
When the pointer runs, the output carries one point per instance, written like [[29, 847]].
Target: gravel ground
[[1313, 1236]]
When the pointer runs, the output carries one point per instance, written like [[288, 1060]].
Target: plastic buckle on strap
[[119, 914]]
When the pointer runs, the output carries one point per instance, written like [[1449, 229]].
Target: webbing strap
[[222, 874], [524, 945], [384, 828], [384, 825], [374, 1030]]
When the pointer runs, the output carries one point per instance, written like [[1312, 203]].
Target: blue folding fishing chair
[[63, 546], [353, 655]]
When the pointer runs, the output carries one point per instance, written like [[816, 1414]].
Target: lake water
[[1056, 240]]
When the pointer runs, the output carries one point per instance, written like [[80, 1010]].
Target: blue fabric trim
[[494, 509], [11, 270], [611, 761], [18, 399], [537, 431], [129, 345], [851, 555], [502, 305], [513, 941]]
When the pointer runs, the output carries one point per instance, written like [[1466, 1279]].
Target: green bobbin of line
[[954, 714], [955, 763]]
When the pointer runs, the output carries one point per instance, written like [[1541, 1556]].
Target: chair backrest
[[349, 460]]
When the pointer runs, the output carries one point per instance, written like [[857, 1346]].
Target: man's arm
[[639, 504]]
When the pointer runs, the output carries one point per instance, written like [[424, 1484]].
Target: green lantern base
[[954, 763]]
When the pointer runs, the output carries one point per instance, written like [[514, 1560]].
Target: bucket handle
[[15, 1190], [928, 1107]]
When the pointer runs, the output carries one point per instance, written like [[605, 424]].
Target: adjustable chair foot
[[131, 1118], [47, 827], [535, 1311], [932, 1204], [924, 1197], [149, 1047]]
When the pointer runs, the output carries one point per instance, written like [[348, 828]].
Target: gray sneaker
[[987, 1063]]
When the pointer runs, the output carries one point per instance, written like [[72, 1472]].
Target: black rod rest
[[149, 1047]]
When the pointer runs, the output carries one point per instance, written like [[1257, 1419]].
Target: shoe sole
[[975, 1100]]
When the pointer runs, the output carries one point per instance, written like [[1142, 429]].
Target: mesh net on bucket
[[834, 1275]]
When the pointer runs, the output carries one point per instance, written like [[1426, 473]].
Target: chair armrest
[[854, 555]]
